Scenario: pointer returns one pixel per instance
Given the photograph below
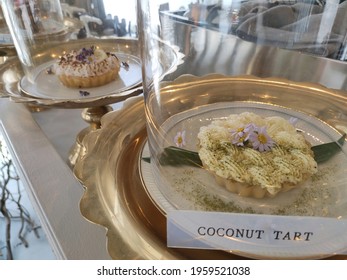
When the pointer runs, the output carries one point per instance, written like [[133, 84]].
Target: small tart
[[87, 67], [243, 169], [87, 82]]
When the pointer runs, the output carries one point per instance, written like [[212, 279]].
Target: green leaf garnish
[[147, 159], [324, 152], [177, 156]]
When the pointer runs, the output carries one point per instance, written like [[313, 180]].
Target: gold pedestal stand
[[97, 104], [92, 116]]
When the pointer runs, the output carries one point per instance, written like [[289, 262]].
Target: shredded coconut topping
[[86, 62], [289, 161]]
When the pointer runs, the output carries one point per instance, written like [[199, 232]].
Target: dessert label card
[[258, 235]]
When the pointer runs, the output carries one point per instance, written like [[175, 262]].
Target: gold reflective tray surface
[[116, 196]]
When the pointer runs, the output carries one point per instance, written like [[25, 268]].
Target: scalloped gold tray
[[115, 196], [13, 83], [115, 193]]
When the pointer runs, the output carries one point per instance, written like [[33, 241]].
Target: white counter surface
[[39, 144]]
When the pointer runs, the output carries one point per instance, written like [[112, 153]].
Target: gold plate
[[115, 193], [115, 196]]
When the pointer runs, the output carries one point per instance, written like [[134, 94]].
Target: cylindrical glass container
[[36, 27], [283, 59], [32, 24]]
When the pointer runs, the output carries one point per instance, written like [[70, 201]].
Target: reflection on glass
[[102, 18], [32, 24]]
